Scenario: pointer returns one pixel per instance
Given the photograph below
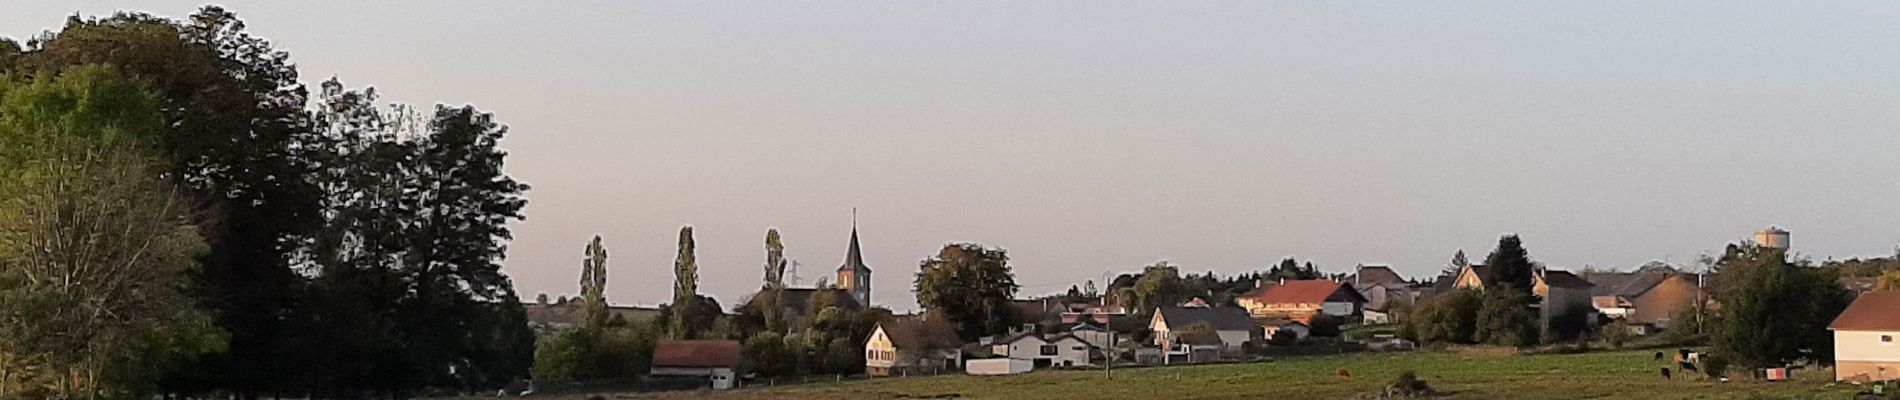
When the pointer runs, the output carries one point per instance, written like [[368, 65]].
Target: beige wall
[[1866, 371], [1862, 352], [1866, 346], [1664, 301]]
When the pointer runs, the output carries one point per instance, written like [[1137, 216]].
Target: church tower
[[854, 277]]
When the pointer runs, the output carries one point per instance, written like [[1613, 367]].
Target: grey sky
[[1093, 136]]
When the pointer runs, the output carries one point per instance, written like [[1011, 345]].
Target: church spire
[[854, 258], [855, 277]]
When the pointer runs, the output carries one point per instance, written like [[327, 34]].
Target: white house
[[1097, 336], [911, 345], [1232, 324], [1867, 339], [1061, 350]]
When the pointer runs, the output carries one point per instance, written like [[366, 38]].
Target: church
[[854, 277]]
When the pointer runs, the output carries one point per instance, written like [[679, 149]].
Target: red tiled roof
[[1307, 291], [697, 353], [1874, 311]]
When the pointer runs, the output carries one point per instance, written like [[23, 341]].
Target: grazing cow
[[1689, 366], [1659, 356], [1343, 373], [1665, 373]]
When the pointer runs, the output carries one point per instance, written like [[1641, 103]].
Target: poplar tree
[[685, 286], [774, 281], [594, 284]]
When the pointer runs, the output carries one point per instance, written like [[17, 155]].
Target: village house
[[1302, 300], [1651, 298], [1564, 296], [1381, 287], [1275, 326], [1105, 336], [1231, 325], [911, 345], [1474, 277], [1867, 339], [1061, 350], [715, 362]]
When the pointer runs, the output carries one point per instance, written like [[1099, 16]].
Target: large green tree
[[349, 248], [1510, 264], [407, 291], [972, 285], [95, 245], [234, 130], [1160, 284], [1774, 311]]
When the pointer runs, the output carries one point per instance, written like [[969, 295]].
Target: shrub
[[767, 355], [1409, 386], [1451, 317], [582, 355], [1714, 365], [1326, 325], [1285, 337], [1505, 320]]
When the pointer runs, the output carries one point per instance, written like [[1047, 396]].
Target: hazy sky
[[1095, 136]]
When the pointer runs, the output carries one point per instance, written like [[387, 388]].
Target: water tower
[[1772, 238]]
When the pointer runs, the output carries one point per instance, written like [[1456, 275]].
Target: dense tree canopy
[[95, 247], [972, 286], [1774, 311], [349, 248], [1510, 264]]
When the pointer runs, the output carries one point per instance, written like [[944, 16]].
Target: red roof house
[[1301, 300]]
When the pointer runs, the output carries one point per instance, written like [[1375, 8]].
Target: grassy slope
[[1471, 375]]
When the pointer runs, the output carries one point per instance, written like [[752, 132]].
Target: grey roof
[[1565, 279], [854, 259], [1624, 284], [1220, 318]]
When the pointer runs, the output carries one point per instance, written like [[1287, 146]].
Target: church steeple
[[854, 277]]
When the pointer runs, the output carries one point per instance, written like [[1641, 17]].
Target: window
[[1048, 349], [1886, 339], [871, 354]]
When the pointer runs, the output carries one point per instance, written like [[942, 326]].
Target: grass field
[[1463, 375]]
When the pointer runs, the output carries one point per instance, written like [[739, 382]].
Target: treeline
[[181, 216], [1163, 284], [1770, 310], [826, 337]]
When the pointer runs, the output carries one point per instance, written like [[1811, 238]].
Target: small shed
[[998, 366], [716, 361]]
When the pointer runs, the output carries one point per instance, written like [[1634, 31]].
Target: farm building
[[1867, 339]]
